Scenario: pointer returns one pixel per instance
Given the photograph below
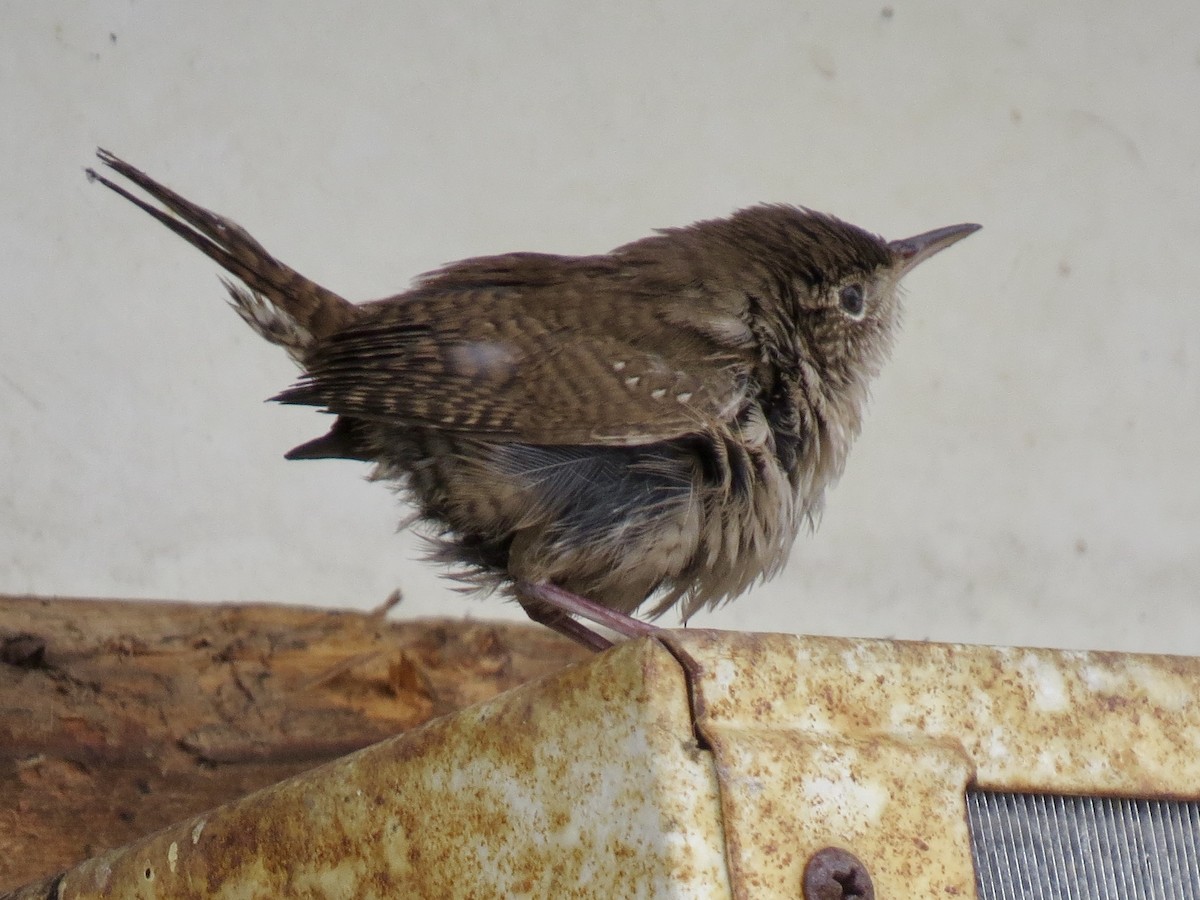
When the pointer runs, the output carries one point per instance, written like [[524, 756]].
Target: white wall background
[[1029, 471]]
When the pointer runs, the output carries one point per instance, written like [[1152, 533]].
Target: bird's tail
[[276, 300]]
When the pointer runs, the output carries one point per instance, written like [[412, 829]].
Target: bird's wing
[[544, 363]]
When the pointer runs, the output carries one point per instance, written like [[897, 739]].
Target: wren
[[589, 433]]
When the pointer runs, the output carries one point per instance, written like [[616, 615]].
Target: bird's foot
[[553, 607]]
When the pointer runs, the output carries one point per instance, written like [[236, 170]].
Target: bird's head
[[834, 286]]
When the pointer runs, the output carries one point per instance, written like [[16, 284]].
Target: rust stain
[[1027, 719], [588, 783], [701, 764], [870, 745]]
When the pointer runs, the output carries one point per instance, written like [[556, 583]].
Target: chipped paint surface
[[870, 745], [586, 784], [597, 782], [799, 772], [895, 805], [1028, 720]]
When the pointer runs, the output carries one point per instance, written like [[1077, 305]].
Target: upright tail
[[277, 301]]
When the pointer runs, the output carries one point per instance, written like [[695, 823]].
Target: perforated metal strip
[[1040, 846]]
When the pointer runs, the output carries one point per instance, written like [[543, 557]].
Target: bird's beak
[[913, 250]]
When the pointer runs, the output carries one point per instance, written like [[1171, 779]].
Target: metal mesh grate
[[1039, 846]]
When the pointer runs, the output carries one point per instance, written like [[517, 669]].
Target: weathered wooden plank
[[120, 717]]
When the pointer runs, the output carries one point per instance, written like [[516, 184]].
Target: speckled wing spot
[[482, 360]]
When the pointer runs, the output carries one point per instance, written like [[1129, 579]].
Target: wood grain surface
[[120, 717]]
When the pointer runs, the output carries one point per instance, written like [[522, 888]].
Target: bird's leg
[[557, 620], [553, 607]]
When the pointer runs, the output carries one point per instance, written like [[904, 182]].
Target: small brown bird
[[590, 432]]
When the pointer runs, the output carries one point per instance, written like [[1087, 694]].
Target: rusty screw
[[836, 874]]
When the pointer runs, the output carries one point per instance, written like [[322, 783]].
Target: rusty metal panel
[[1068, 722], [586, 784], [697, 764], [869, 746], [893, 804]]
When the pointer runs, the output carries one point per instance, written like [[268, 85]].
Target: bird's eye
[[852, 301]]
